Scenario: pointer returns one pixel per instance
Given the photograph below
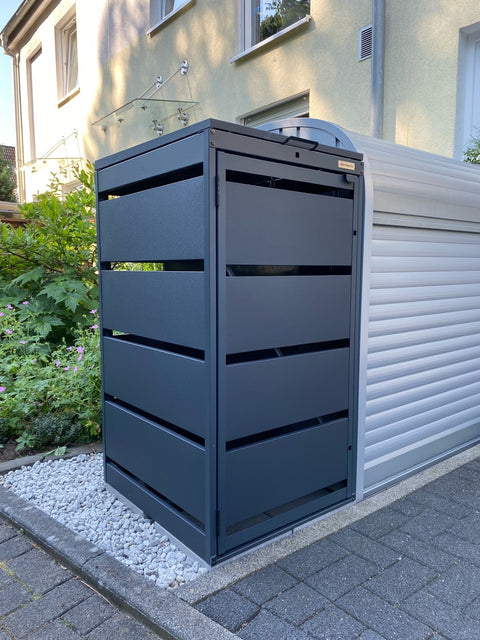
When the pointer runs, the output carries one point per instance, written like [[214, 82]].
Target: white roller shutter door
[[423, 380]]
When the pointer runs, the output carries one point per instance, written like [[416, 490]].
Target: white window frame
[[67, 56], [160, 13], [295, 107], [247, 46], [468, 82], [31, 106]]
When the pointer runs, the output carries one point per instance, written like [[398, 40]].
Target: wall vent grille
[[365, 43]]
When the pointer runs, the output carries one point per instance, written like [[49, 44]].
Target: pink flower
[[69, 348], [26, 302], [23, 342], [57, 363], [94, 326], [2, 314], [75, 369], [9, 307], [9, 331], [80, 350], [93, 311], [2, 389], [79, 358], [66, 368]]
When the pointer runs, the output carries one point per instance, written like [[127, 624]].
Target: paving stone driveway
[[39, 600], [409, 571]]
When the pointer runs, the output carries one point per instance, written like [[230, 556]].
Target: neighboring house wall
[[123, 45]]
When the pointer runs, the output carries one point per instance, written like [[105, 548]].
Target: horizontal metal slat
[[277, 226], [398, 264], [401, 461], [405, 375], [164, 223], [417, 323], [414, 342], [156, 457], [278, 311], [378, 312], [421, 279], [164, 305], [166, 385], [391, 246], [167, 159], [266, 394], [263, 476], [392, 415], [392, 398], [387, 438], [172, 520], [416, 294]]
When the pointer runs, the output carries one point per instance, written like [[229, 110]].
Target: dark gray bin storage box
[[230, 376]]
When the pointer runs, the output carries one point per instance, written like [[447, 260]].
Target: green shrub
[[472, 153], [7, 179], [52, 260], [54, 429], [36, 382]]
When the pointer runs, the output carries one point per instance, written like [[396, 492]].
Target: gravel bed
[[73, 493]]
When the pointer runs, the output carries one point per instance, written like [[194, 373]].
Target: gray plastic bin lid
[[319, 131]]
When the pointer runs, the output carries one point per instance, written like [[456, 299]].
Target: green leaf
[[29, 276], [59, 451]]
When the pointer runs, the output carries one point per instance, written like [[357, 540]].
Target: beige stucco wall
[[118, 61], [319, 58], [421, 68]]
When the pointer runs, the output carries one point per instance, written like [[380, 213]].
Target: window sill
[[154, 28], [68, 97], [276, 36]]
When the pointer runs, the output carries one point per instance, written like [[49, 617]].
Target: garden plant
[[472, 153], [49, 342]]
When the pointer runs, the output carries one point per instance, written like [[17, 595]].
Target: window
[[265, 18], [296, 107], [67, 57], [161, 10], [468, 94], [39, 118]]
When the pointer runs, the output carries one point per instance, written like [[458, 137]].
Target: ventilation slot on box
[[274, 182], [158, 265], [256, 270], [196, 354], [192, 437], [291, 505], [142, 185], [156, 494], [285, 430], [281, 352]]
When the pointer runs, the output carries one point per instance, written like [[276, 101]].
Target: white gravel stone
[[73, 493]]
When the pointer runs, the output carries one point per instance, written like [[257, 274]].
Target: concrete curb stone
[[161, 611], [28, 461]]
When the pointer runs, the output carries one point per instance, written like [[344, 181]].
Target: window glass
[[171, 5], [71, 63], [265, 18], [66, 56], [161, 9], [39, 116]]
